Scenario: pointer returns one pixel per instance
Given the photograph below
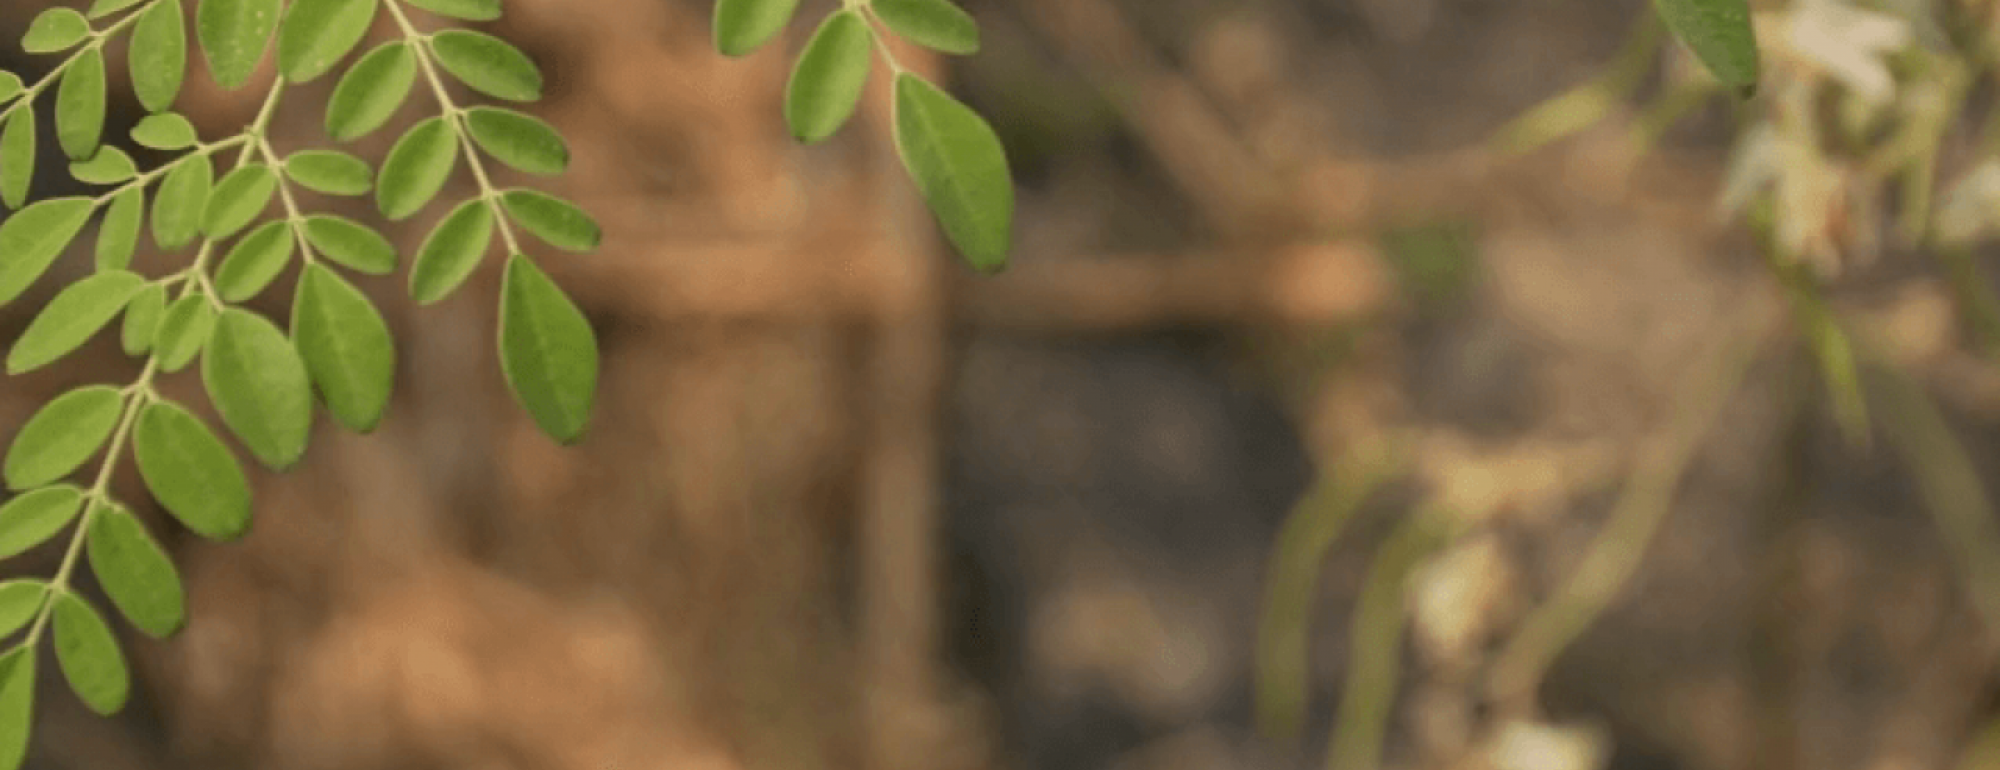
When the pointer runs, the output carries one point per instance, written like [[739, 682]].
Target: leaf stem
[[455, 115], [294, 218], [97, 40]]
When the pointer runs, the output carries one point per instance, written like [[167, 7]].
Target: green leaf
[[178, 206], [330, 172], [1719, 33], [109, 166], [742, 26], [55, 29], [552, 219], [351, 243], [191, 473], [165, 131], [451, 252], [468, 10], [548, 351], [72, 317], [80, 105], [32, 518], [238, 199], [519, 140], [259, 385], [371, 91], [135, 572], [184, 331], [63, 435], [961, 169], [233, 35], [103, 8], [118, 236], [935, 24], [826, 84], [20, 601], [255, 261], [317, 33], [142, 319], [158, 57], [17, 156], [89, 655], [488, 64], [17, 704], [346, 347], [416, 169], [10, 86], [32, 238]]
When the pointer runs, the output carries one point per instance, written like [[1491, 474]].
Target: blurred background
[[1298, 405]]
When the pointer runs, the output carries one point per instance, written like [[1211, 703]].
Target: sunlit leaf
[[118, 236], [55, 29], [552, 219], [371, 91], [346, 348], [191, 473], [109, 166], [165, 131], [33, 237], [158, 58], [330, 172], [451, 252], [935, 24], [88, 655], [255, 261], [62, 435], [71, 318], [488, 64], [416, 168], [17, 156], [826, 83], [238, 199], [80, 105], [17, 704], [317, 33], [517, 139], [233, 35], [742, 26], [1719, 33], [135, 572], [20, 601], [468, 10], [351, 243], [180, 202], [142, 319], [259, 385], [32, 518], [184, 331], [961, 169]]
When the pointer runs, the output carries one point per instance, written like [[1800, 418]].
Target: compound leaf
[[191, 473]]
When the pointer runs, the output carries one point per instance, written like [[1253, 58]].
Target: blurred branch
[[1315, 523], [1583, 106], [1375, 656], [1648, 497]]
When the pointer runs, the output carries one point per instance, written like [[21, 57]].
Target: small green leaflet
[[468, 10], [184, 332], [135, 572], [552, 219], [935, 24], [165, 131], [17, 704], [451, 252], [56, 29], [71, 318], [238, 199], [20, 601], [255, 261], [371, 91], [416, 169], [17, 156], [346, 347], [259, 385], [118, 236], [826, 83], [547, 350], [80, 105], [32, 238], [960, 168], [32, 518], [158, 58], [1720, 34], [142, 319], [109, 166], [351, 243], [191, 473], [183, 196], [330, 172], [317, 33], [742, 26], [62, 435], [488, 64], [89, 656], [233, 35], [10, 86], [519, 140]]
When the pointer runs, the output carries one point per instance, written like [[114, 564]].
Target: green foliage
[[1719, 33], [230, 207]]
